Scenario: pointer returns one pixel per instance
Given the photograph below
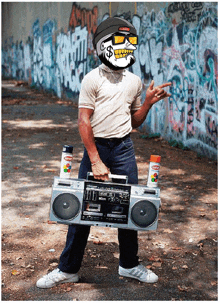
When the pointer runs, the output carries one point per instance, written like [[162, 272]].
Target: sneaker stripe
[[139, 272]]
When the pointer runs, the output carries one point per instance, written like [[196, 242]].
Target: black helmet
[[111, 26]]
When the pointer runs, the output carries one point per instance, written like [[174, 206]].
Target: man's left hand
[[157, 93]]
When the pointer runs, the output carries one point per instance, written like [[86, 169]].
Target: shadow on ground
[[183, 250]]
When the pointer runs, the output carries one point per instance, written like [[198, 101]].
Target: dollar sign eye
[[110, 53]]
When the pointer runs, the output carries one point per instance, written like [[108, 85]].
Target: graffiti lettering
[[72, 58], [168, 50], [83, 17], [187, 58], [48, 29], [188, 10], [37, 53]]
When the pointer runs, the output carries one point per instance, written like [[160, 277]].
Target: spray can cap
[[68, 149], [155, 158]]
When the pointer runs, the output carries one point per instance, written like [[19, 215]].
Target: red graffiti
[[81, 16]]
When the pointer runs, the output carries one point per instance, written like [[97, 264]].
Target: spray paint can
[[153, 173], [66, 161]]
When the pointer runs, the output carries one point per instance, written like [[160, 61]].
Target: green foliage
[[178, 144], [150, 136]]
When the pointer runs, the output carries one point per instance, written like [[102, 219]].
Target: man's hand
[[157, 93], [100, 171], [153, 95]]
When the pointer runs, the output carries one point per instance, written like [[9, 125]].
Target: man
[[109, 107]]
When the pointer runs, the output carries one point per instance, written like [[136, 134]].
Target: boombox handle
[[111, 176]]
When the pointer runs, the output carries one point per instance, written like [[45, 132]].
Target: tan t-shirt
[[112, 95]]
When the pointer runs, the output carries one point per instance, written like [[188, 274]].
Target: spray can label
[[66, 162], [153, 174]]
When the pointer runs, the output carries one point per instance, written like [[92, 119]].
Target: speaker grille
[[66, 206], [143, 213]]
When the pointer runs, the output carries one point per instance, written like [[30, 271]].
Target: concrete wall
[[49, 44]]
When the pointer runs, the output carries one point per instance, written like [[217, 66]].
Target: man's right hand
[[100, 171]]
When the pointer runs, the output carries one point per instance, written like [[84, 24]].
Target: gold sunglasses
[[120, 39]]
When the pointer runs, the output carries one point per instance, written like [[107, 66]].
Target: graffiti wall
[[177, 43], [184, 52]]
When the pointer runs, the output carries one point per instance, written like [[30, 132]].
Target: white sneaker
[[139, 272], [55, 277]]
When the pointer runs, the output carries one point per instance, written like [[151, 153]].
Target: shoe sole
[[71, 280], [136, 278]]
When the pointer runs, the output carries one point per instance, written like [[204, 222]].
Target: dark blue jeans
[[118, 155]]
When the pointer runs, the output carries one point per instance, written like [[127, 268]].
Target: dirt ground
[[182, 251]]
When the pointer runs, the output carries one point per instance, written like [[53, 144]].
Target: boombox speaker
[[108, 204]]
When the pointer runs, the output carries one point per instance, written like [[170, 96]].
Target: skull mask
[[116, 44]]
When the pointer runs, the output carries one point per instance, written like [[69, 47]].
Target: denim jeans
[[118, 155]]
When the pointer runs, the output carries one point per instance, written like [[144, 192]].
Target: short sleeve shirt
[[112, 95]]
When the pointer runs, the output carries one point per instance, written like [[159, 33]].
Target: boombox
[[107, 204]]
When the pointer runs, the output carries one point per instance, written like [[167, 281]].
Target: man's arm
[[153, 95], [100, 171]]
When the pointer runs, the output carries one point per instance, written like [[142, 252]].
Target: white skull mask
[[117, 51]]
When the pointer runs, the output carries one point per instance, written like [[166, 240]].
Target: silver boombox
[[108, 204]]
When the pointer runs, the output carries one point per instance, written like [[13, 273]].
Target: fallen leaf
[[68, 289], [200, 245], [15, 272], [16, 167], [51, 222], [155, 258], [176, 248], [174, 268], [160, 245], [183, 288], [100, 266], [185, 266], [167, 230], [54, 264], [29, 265], [156, 264], [116, 255]]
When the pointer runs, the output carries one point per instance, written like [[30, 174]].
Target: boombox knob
[[144, 213]]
